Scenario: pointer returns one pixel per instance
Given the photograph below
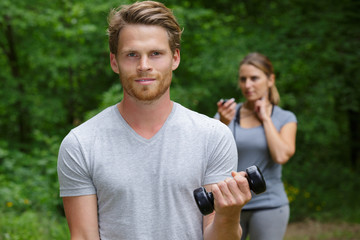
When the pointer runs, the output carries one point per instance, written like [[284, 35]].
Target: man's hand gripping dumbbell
[[232, 193]]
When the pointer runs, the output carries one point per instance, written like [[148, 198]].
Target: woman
[[265, 136]]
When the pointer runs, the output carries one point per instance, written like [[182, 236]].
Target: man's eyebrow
[[127, 50], [130, 50]]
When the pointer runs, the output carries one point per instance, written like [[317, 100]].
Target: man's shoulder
[[100, 119], [198, 120], [94, 125], [193, 115]]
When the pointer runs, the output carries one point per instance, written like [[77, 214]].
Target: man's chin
[[147, 94], [147, 98]]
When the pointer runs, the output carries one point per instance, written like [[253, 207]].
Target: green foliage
[[32, 225], [29, 181], [322, 190], [51, 51], [109, 98]]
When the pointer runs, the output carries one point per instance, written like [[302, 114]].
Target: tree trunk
[[23, 117], [354, 137]]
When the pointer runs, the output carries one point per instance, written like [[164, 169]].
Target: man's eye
[[242, 79], [155, 53], [132, 54], [254, 78]]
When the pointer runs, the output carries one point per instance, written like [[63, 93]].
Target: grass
[[315, 230], [32, 226]]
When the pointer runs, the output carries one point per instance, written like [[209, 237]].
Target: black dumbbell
[[205, 200]]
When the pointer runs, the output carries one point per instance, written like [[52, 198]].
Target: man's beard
[[147, 93]]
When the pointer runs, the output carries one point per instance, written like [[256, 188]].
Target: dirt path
[[312, 230]]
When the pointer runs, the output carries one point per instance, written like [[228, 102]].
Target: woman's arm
[[281, 144], [82, 217]]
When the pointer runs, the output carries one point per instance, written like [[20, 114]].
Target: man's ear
[[176, 59], [113, 63]]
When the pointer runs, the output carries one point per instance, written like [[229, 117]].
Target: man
[[129, 172]]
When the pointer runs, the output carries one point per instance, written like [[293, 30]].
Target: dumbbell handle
[[205, 200]]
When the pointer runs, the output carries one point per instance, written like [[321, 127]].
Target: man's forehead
[[143, 36]]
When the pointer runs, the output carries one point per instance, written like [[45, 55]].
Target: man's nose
[[144, 64]]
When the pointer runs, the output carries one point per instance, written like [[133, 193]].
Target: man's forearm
[[224, 229], [230, 196]]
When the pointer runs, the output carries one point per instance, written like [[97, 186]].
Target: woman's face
[[254, 83]]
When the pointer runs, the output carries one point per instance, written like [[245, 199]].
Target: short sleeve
[[291, 117], [222, 155], [73, 173]]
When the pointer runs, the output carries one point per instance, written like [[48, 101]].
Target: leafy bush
[[322, 190], [29, 180]]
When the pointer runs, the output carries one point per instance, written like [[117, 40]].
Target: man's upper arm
[[77, 190], [82, 217]]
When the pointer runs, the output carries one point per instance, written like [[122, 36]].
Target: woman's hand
[[261, 109], [226, 110]]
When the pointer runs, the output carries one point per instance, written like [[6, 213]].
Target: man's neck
[[145, 118]]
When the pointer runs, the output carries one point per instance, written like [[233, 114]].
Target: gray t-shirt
[[253, 150], [144, 186]]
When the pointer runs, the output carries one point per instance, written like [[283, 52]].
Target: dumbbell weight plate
[[256, 180], [204, 200]]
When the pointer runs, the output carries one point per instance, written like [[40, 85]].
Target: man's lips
[[145, 80]]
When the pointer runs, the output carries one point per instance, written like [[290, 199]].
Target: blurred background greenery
[[55, 74]]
